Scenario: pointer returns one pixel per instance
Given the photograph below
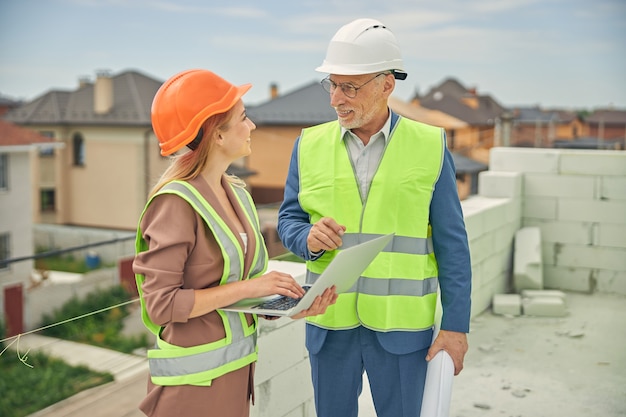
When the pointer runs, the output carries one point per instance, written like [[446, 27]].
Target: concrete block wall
[[282, 379], [53, 237], [578, 200], [491, 219], [46, 298]]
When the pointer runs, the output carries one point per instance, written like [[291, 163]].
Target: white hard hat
[[363, 46]]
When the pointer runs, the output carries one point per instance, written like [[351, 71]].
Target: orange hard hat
[[185, 101]]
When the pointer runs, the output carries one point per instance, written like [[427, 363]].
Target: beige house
[[110, 160], [19, 150], [481, 114]]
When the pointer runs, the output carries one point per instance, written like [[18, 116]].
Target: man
[[367, 174]]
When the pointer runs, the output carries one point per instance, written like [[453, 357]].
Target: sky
[[549, 53]]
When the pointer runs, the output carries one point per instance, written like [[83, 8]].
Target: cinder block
[[611, 282], [544, 293], [593, 162], [280, 349], [524, 160], [540, 207], [285, 392], [527, 260], [569, 279], [510, 304], [613, 188], [603, 211], [499, 184], [554, 185], [544, 306]]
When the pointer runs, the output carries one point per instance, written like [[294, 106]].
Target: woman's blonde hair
[[189, 165]]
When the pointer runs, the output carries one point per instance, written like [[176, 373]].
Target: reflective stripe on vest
[[398, 290], [199, 365]]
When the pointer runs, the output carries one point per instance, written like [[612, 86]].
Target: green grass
[[102, 329], [26, 390]]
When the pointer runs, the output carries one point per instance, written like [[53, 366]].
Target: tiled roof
[[132, 98], [306, 106], [449, 97], [310, 105], [465, 165], [424, 115], [589, 143], [13, 135], [607, 117], [531, 115]]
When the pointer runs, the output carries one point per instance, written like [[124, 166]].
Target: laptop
[[343, 271]]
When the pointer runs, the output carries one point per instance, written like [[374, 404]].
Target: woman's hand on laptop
[[271, 283], [320, 304]]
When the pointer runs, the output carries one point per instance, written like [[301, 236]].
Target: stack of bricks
[[530, 298]]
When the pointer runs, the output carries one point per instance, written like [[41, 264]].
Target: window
[[78, 145], [48, 200], [5, 249], [4, 171], [46, 150]]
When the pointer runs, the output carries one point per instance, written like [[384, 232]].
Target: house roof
[[424, 115], [13, 135], [307, 105], [465, 165], [532, 115], [607, 117], [589, 143], [452, 98], [132, 94]]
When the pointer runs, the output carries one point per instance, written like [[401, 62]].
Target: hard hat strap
[[193, 145], [399, 75]]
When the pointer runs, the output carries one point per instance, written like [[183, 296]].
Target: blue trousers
[[337, 364]]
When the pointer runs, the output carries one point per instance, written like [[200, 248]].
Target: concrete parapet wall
[[283, 374], [46, 298], [53, 237], [578, 200], [491, 220]]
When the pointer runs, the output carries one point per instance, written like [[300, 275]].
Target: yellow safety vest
[[398, 291], [199, 365]]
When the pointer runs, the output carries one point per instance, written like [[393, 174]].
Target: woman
[[198, 246]]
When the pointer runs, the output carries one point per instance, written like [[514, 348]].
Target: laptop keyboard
[[281, 303]]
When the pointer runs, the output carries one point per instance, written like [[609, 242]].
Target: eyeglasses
[[347, 89]]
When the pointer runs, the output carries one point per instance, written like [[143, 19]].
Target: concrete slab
[[544, 293], [547, 306], [527, 261], [507, 304], [516, 366]]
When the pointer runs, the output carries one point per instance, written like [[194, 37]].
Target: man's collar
[[385, 130]]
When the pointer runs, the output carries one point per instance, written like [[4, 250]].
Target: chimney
[[416, 101], [273, 90], [83, 81], [470, 101], [103, 93]]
